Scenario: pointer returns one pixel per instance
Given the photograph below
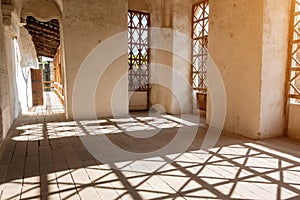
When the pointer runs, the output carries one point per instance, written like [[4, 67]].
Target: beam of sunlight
[[179, 120], [274, 152]]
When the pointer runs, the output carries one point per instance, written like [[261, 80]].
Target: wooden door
[[37, 87]]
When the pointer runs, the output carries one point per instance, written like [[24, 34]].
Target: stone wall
[[7, 86], [17, 56], [3, 78]]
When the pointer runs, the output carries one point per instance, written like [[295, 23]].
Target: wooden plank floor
[[45, 158]]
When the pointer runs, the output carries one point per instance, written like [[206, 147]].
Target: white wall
[[13, 108], [27, 59], [21, 57], [17, 57]]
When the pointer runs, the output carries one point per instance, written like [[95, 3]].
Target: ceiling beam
[[43, 30], [45, 42], [45, 36]]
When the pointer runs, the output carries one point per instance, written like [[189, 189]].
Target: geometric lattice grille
[[200, 42], [294, 51], [138, 51]]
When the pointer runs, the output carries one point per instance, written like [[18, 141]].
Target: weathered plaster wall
[[182, 51], [159, 94], [156, 9], [170, 55], [161, 42], [248, 42], [138, 5], [27, 59], [274, 57], [17, 56], [138, 101], [27, 49], [85, 27], [235, 44], [12, 105], [4, 92], [21, 57]]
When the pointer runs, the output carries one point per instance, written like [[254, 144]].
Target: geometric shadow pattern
[[57, 166], [44, 158], [138, 51], [200, 44]]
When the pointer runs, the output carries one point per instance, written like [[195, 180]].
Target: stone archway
[[46, 11], [42, 10]]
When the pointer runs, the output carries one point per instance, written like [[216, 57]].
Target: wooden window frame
[[199, 70], [135, 62]]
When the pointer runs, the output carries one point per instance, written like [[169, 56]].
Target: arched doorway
[[42, 20]]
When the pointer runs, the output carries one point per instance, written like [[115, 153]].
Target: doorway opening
[[47, 79]]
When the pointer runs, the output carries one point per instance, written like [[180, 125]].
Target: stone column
[[87, 28], [2, 72], [181, 59], [161, 59], [9, 28], [170, 55]]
